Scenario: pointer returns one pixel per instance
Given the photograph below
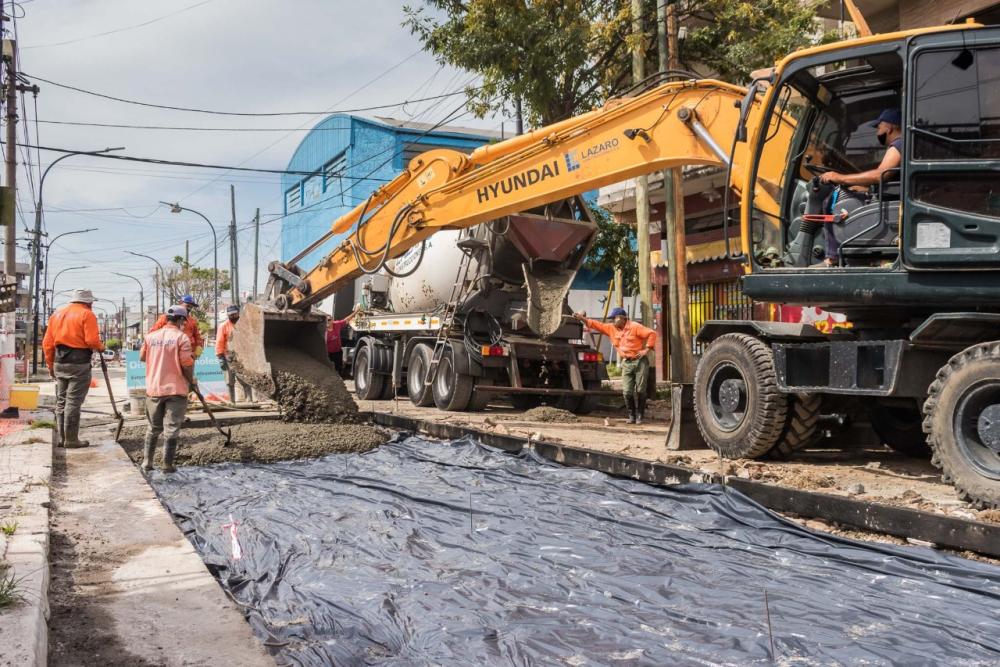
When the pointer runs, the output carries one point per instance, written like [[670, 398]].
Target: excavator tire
[[900, 427], [452, 390], [739, 410], [421, 394], [802, 428], [960, 414], [368, 385]]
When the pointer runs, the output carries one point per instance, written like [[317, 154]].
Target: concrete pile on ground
[[550, 415], [261, 442]]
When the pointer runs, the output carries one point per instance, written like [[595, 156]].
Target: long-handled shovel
[[204, 404], [111, 395]]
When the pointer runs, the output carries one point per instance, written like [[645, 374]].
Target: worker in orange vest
[[70, 340], [190, 326], [222, 350]]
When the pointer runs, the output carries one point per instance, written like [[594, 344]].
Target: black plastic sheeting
[[377, 559]]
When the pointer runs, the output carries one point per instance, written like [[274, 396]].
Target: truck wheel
[[419, 391], [481, 399], [740, 412], [802, 428], [899, 425], [962, 420], [452, 390], [368, 386]]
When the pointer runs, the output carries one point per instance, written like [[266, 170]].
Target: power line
[[118, 30], [242, 113], [178, 163], [195, 129]]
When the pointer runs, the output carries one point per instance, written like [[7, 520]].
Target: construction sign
[[207, 370]]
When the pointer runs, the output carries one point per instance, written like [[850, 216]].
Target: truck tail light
[[590, 356], [494, 351]]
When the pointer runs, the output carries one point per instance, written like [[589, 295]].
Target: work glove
[[223, 362]]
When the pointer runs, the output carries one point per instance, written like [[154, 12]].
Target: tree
[[614, 249], [731, 38], [553, 55], [198, 282]]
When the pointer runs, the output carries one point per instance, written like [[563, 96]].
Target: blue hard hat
[[891, 116], [188, 299], [615, 312]]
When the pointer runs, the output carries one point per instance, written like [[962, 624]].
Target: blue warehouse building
[[350, 157]]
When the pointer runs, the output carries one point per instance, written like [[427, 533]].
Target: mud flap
[[262, 331], [547, 290]]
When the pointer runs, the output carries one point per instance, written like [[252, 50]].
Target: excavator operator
[[890, 134]]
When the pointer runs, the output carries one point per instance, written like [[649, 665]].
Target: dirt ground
[[872, 473], [261, 442]]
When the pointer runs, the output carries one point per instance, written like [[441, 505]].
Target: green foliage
[[8, 528], [198, 282], [557, 56], [113, 344], [42, 423], [614, 250], [10, 586], [731, 38]]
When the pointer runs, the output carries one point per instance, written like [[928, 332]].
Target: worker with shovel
[[169, 376], [222, 351], [70, 340], [632, 341]]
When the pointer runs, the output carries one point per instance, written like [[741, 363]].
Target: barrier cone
[[93, 383]]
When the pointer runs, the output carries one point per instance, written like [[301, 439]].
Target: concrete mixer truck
[[459, 306]]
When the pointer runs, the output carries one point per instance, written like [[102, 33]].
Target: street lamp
[[163, 276], [177, 208], [72, 268], [35, 258], [142, 310], [45, 279], [118, 314]]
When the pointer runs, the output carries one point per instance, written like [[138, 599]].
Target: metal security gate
[[716, 301]]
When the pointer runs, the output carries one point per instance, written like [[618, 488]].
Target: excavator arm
[[674, 124], [670, 125]]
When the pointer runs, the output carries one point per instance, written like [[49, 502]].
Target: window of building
[[334, 182], [293, 198], [957, 105]]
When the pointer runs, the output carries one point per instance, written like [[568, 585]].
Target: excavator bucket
[[265, 334], [547, 289]]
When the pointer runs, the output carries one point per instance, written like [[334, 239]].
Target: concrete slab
[[127, 586], [25, 475]]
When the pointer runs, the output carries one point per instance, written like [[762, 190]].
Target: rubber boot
[[640, 407], [169, 451], [60, 431], [149, 448], [71, 429], [630, 408]]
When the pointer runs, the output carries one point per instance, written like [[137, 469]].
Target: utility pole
[[675, 242], [256, 250], [187, 267], [8, 346], [234, 259], [642, 182]]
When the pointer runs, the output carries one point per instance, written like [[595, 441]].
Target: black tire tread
[[769, 423], [802, 428], [967, 490]]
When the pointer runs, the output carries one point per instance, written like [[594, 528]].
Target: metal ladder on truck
[[471, 248]]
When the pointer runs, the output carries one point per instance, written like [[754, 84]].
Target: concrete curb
[[25, 477]]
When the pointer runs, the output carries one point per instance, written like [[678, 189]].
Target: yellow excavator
[[917, 270]]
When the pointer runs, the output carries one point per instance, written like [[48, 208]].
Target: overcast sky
[[231, 55]]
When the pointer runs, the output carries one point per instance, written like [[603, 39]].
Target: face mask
[[882, 138]]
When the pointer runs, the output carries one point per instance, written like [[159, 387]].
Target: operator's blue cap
[[892, 116], [618, 311]]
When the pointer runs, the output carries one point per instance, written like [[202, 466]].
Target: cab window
[[821, 120]]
